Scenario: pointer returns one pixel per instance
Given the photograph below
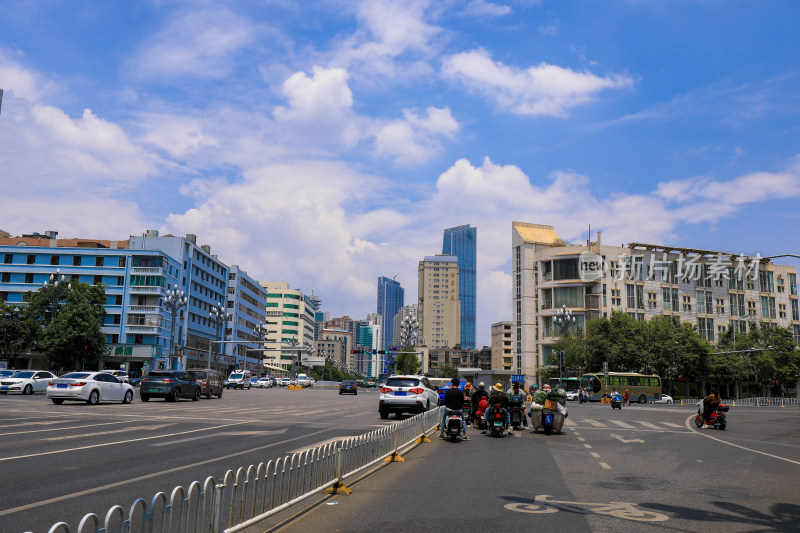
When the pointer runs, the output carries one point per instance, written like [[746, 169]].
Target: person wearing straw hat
[[498, 399]]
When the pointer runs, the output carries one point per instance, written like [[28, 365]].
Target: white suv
[[406, 394]]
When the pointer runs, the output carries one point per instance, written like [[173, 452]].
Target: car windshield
[[24, 375], [158, 375], [402, 382], [76, 375], [236, 376], [198, 374], [348, 383], [6, 373]]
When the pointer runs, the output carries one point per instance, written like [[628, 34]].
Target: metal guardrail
[[760, 401], [250, 495]]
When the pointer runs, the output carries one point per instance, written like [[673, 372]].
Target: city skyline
[[328, 144]]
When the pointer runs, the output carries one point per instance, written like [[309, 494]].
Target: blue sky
[[328, 143]]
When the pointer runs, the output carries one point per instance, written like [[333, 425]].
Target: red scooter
[[718, 419]]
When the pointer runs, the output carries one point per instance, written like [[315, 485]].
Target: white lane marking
[[63, 428], [694, 430], [569, 423], [581, 439], [647, 424], [5, 512], [112, 432], [224, 433], [670, 424], [116, 442], [587, 446], [622, 424], [594, 423], [605, 465], [596, 455]]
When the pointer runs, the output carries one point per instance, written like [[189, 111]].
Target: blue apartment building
[[462, 242], [247, 304]]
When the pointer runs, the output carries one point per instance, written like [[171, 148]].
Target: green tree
[[18, 333], [407, 363], [448, 371], [692, 356], [576, 353], [73, 339]]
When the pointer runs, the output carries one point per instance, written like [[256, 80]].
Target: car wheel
[[669, 402], [196, 397], [355, 393], [219, 394], [94, 398], [145, 398], [384, 414], [128, 397], [340, 393], [174, 395], [27, 390], [57, 401]]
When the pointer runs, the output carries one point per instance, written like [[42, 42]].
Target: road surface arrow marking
[[624, 440]]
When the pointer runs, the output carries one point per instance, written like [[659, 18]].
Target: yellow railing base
[[394, 458], [338, 488], [423, 438]]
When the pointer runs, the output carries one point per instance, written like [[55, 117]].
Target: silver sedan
[[90, 387]]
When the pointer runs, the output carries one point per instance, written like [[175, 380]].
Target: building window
[[781, 310], [6, 278], [652, 302], [616, 297], [98, 261], [687, 302], [767, 307], [55, 259], [792, 284], [7, 258], [31, 259], [751, 308], [705, 326], [76, 261], [720, 306], [98, 280], [795, 311], [3, 296], [29, 277]]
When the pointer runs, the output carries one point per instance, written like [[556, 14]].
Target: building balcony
[[144, 309], [143, 289], [147, 270], [131, 328]]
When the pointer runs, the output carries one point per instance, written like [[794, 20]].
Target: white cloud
[[482, 8], [199, 43], [548, 29], [178, 135], [538, 90], [415, 139], [18, 81]]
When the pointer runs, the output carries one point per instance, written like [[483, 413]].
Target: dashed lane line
[[648, 424], [690, 421], [622, 424], [112, 432], [605, 465]]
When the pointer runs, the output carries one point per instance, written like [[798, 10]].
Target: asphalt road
[[61, 462]]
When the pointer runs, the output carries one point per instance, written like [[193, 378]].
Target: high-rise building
[[502, 349], [461, 241], [290, 324], [390, 302], [247, 306], [438, 307]]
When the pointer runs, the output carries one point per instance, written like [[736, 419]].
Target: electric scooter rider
[[453, 400], [517, 394], [498, 399], [476, 398]]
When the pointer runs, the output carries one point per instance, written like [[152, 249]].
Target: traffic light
[[161, 365]]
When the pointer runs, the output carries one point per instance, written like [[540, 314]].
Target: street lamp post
[[294, 343], [218, 316], [173, 302], [58, 289], [260, 331], [564, 319]]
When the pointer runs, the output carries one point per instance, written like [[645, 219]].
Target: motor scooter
[[517, 413], [616, 402], [466, 409], [497, 421], [717, 420], [453, 424]]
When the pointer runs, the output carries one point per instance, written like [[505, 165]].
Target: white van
[[303, 380], [240, 379]]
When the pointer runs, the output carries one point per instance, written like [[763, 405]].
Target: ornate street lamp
[[260, 331], [564, 320], [59, 289], [174, 301], [218, 316]]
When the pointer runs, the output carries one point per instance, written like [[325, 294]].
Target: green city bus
[[568, 384], [642, 388]]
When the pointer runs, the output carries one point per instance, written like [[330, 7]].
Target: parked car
[[119, 374], [7, 373], [403, 394], [26, 381], [210, 384], [264, 383], [348, 387], [89, 387], [665, 398], [172, 385]]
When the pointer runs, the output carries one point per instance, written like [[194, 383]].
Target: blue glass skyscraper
[[461, 242], [390, 302]]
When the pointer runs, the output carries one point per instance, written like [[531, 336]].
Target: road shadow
[[781, 517]]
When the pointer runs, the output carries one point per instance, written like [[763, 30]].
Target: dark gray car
[[170, 385], [210, 384]]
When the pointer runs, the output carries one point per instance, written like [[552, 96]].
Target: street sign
[[516, 378]]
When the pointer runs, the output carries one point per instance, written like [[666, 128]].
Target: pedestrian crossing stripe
[[649, 425], [635, 424], [622, 424]]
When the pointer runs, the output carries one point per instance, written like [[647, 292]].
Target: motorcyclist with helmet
[[453, 400], [517, 395], [479, 394], [498, 400]]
